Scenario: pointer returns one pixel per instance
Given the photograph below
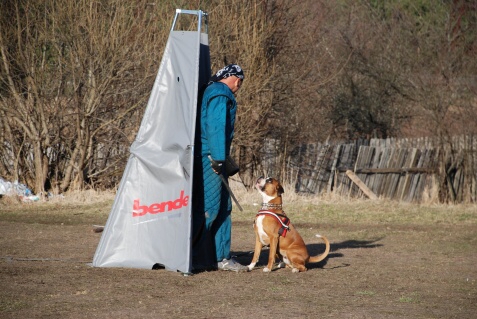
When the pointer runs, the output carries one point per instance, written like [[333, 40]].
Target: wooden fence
[[413, 170]]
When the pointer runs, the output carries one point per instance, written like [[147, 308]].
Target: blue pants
[[211, 212]]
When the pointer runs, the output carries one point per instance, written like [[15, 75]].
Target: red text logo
[[157, 208]]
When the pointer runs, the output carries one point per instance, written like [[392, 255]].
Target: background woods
[[75, 77]]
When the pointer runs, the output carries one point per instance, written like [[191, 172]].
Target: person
[[212, 224]]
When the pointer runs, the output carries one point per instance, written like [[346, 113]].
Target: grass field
[[387, 260]]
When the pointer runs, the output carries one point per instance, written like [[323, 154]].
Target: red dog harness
[[282, 219]]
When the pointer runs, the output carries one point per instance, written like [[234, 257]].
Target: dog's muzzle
[[262, 181]]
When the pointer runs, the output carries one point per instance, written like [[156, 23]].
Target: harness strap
[[284, 220]]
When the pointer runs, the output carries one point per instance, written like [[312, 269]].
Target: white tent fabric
[[150, 220]]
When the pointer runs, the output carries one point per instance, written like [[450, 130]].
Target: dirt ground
[[376, 269]]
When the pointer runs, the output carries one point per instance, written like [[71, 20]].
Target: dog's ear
[[280, 190]]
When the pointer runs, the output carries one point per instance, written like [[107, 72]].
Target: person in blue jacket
[[212, 225]]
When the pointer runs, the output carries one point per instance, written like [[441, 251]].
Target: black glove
[[216, 165]]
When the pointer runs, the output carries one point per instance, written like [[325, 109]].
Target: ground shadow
[[245, 257], [314, 249]]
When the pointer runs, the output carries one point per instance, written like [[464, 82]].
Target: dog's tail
[[318, 258]]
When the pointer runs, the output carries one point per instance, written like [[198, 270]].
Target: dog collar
[[268, 205]]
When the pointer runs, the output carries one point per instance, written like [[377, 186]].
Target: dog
[[272, 227]]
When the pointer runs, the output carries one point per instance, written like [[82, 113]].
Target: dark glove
[[216, 165]]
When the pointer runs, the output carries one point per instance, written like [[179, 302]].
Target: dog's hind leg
[[296, 262], [298, 266]]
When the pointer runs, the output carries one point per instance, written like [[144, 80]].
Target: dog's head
[[269, 188]]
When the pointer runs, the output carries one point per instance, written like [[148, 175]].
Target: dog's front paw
[[251, 266], [295, 270], [266, 269]]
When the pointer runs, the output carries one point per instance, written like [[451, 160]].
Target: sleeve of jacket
[[216, 117]]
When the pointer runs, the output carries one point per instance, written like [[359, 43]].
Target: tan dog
[[271, 229]]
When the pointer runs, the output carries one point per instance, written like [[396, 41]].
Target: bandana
[[229, 70]]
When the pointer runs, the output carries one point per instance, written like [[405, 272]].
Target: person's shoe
[[231, 264], [281, 264]]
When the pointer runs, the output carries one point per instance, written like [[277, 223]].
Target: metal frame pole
[[198, 13]]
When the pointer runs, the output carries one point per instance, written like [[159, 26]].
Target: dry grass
[[86, 196], [330, 208], [322, 209]]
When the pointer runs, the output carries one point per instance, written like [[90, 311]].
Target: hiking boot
[[231, 264]]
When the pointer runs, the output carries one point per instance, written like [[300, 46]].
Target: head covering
[[227, 71]]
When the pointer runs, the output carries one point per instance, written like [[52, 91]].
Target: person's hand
[[216, 165]]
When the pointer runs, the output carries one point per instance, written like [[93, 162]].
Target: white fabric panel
[[150, 221]]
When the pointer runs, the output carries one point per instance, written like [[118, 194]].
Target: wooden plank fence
[[411, 170]]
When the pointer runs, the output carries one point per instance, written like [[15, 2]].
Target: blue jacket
[[218, 111]]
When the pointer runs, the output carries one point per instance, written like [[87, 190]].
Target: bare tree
[[73, 71], [75, 77], [240, 33]]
